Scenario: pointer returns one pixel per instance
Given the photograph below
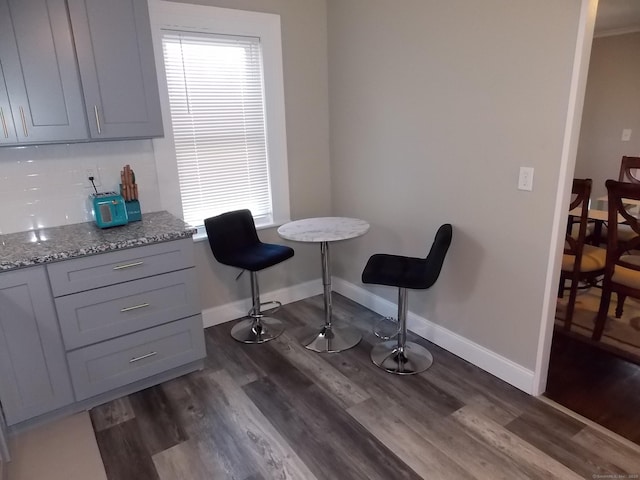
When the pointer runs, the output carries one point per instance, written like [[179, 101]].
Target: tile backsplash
[[46, 185]]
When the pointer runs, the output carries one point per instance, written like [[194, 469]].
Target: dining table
[[599, 215], [325, 230]]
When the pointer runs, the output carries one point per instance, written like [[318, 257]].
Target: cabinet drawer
[[104, 313], [86, 273], [114, 363]]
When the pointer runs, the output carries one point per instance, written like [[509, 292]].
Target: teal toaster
[[109, 209]]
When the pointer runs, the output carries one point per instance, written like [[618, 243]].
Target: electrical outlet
[[92, 172], [525, 180]]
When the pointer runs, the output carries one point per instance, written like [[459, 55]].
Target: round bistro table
[[323, 230]]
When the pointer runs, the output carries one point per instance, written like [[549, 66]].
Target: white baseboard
[[497, 365], [231, 311]]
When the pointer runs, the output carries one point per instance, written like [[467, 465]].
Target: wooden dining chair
[[629, 167], [622, 270], [580, 261]]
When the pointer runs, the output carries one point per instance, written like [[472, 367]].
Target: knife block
[[133, 210]]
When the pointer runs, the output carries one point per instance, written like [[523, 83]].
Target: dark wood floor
[[280, 411], [596, 384]]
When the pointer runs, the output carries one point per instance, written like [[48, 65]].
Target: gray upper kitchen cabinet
[[115, 55], [41, 80], [34, 378]]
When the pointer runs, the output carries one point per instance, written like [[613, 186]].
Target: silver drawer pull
[[142, 357], [128, 265], [135, 307]]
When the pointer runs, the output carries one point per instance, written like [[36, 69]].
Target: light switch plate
[[525, 180], [626, 134]]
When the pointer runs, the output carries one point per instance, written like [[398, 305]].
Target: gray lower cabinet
[[128, 315], [111, 364], [33, 369], [80, 328], [87, 273], [117, 67], [104, 313], [41, 81]]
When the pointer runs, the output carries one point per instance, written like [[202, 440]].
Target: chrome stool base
[[250, 330], [329, 339], [413, 359]]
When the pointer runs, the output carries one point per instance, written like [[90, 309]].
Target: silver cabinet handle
[[24, 122], [4, 124], [95, 110], [128, 265], [142, 357], [135, 307]]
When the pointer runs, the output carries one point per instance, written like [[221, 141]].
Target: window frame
[[224, 21]]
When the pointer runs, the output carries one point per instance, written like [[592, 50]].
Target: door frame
[[577, 89], [4, 442]]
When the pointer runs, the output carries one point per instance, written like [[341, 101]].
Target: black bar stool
[[234, 241], [399, 356]]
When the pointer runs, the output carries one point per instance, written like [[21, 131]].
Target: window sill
[[201, 234]]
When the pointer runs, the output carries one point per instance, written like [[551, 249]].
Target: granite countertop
[[47, 245]]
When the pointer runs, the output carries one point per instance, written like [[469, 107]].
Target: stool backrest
[[435, 259], [230, 233]]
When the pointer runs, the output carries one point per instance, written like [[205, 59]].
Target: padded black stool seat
[[234, 241], [256, 257], [399, 356]]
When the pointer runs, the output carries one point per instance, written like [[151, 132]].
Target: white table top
[[323, 229]]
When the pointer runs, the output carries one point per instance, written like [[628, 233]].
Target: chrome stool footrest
[[278, 306], [377, 330], [408, 360], [257, 330]]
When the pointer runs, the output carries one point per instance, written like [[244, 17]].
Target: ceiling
[[617, 16]]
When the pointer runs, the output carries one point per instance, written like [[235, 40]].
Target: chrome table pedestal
[[329, 338]]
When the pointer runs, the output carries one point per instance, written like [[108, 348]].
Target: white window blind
[[216, 97]]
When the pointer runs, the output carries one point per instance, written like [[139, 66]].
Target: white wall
[[434, 107], [612, 103]]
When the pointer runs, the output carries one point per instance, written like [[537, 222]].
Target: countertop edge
[[27, 259]]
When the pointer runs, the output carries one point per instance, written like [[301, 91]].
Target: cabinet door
[[115, 55], [7, 131], [40, 71], [34, 378]]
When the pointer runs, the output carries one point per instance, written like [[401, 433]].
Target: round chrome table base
[[414, 359], [329, 339], [244, 331]]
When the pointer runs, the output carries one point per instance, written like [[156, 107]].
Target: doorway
[[597, 380]]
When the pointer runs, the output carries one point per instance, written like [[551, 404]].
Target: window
[[223, 110]]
